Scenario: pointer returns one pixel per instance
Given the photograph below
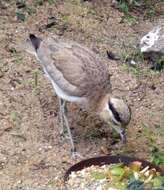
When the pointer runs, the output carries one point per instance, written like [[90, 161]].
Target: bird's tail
[[35, 41], [32, 44]]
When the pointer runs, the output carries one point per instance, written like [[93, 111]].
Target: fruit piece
[[116, 165], [144, 170], [136, 165], [118, 171], [158, 182], [153, 172], [148, 179], [126, 171]]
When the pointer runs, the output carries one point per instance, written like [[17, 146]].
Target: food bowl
[[106, 160], [102, 160]]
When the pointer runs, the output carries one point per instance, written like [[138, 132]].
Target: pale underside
[[63, 94]]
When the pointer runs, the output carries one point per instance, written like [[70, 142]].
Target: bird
[[79, 75]]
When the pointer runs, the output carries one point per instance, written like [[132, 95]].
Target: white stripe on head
[[111, 114]]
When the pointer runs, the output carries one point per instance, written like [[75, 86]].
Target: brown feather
[[76, 69]]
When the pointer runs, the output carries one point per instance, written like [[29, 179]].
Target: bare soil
[[32, 153]]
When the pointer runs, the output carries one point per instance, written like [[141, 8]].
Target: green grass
[[148, 9], [129, 54], [136, 71], [20, 16], [13, 116], [143, 66], [51, 2], [156, 156], [17, 58], [25, 9], [152, 133], [129, 19], [132, 53]]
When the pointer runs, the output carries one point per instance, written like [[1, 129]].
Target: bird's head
[[116, 113]]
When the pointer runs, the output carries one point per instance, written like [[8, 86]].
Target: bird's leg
[[64, 124], [61, 119], [73, 149], [121, 132], [64, 116]]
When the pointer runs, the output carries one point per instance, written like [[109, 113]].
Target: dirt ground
[[32, 153]]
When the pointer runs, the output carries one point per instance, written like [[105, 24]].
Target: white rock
[[153, 41], [132, 62]]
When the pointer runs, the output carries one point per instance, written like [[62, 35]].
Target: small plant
[[132, 58], [132, 54], [160, 62], [131, 20], [16, 56], [20, 16], [156, 156], [149, 8], [13, 116], [23, 10], [35, 76], [124, 6]]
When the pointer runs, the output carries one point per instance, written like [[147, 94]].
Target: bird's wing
[[75, 69]]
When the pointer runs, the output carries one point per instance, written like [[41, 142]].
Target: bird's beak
[[116, 126], [120, 130]]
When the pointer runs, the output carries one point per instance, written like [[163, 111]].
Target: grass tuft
[[134, 8]]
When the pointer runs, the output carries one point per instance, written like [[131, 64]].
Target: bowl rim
[[108, 159]]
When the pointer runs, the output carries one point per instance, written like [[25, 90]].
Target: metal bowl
[[102, 160]]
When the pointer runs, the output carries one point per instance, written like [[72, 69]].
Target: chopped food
[[116, 177]]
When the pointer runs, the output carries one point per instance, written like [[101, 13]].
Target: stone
[[153, 41], [152, 47]]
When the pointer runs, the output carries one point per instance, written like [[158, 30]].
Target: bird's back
[[78, 71]]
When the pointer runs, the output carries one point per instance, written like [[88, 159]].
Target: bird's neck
[[97, 105]]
